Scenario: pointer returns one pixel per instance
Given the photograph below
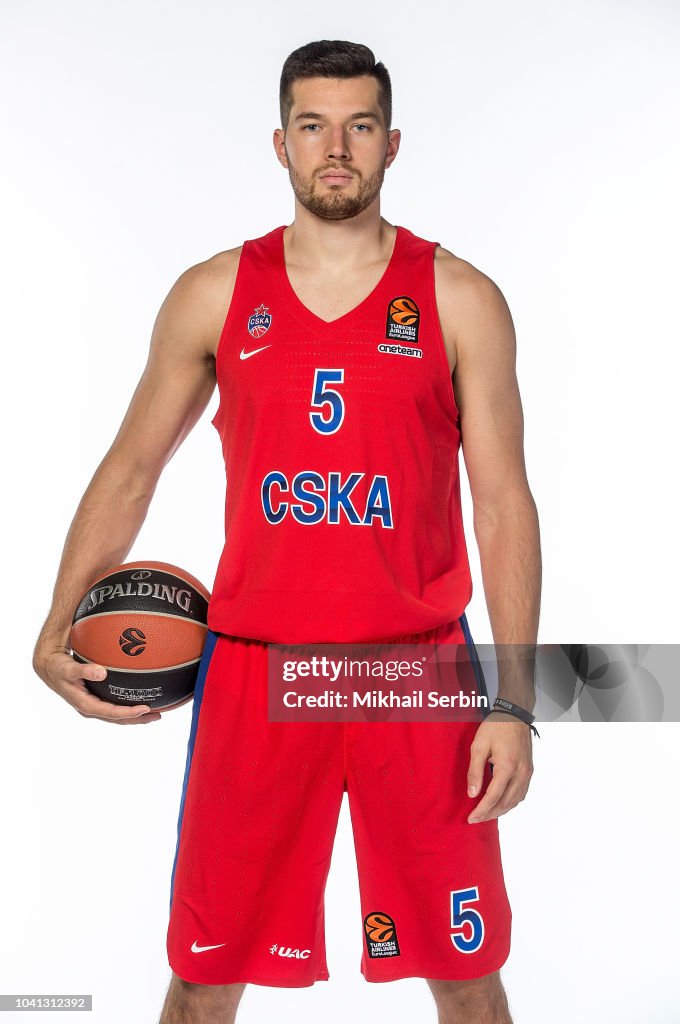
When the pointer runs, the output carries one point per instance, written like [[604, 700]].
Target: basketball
[[146, 624]]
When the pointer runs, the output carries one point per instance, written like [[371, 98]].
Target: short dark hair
[[333, 58]]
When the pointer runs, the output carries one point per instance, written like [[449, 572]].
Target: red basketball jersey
[[343, 520]]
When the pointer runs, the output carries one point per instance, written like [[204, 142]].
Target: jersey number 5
[[327, 399]]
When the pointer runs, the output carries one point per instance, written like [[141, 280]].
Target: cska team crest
[[260, 321]]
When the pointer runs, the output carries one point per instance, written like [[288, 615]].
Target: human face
[[336, 147]]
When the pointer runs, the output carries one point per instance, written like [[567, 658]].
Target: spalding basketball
[[146, 623]]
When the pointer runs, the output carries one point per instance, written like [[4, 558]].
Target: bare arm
[[505, 521], [171, 395], [505, 516]]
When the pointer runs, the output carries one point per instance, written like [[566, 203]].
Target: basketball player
[[352, 358]]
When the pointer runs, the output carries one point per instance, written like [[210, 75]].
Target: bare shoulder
[[201, 296], [217, 274], [468, 301], [220, 267]]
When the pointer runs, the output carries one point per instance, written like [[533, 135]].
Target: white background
[[539, 143]]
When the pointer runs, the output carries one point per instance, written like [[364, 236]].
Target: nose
[[338, 148]]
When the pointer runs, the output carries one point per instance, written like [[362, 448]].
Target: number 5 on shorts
[[460, 918]]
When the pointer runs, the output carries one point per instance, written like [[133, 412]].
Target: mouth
[[336, 179]]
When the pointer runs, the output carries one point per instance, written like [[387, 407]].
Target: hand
[[506, 742], [66, 676]]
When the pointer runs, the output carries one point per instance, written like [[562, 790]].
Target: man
[[340, 432]]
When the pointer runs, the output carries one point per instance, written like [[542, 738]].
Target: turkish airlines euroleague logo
[[380, 933], [403, 317]]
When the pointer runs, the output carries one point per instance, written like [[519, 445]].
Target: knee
[[467, 993], [183, 995], [192, 988]]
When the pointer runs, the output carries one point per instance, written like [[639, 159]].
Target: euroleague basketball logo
[[380, 933], [260, 321], [403, 317], [132, 641]]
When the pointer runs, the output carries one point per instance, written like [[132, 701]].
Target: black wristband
[[501, 704]]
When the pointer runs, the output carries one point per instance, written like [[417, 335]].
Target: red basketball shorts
[[258, 815]]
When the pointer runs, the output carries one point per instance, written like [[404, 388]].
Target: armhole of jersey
[[439, 342], [232, 304]]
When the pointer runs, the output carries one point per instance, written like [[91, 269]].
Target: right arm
[[172, 393]]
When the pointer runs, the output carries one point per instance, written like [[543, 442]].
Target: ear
[[278, 140], [394, 138]]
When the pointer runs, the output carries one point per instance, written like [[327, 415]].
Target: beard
[[335, 202]]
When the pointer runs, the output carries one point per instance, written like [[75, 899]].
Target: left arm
[[478, 329]]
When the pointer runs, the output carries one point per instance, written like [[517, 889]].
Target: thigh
[[433, 897], [258, 816]]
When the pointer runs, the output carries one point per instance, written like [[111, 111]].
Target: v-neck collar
[[299, 304]]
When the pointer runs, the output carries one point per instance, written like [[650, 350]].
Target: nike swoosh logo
[[202, 949], [247, 355]]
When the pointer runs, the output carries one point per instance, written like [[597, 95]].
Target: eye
[[304, 127], [366, 126]]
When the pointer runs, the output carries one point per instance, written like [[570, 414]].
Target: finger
[[478, 757], [153, 716], [90, 671], [88, 703], [90, 706], [62, 668], [494, 793], [136, 719], [514, 793]]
